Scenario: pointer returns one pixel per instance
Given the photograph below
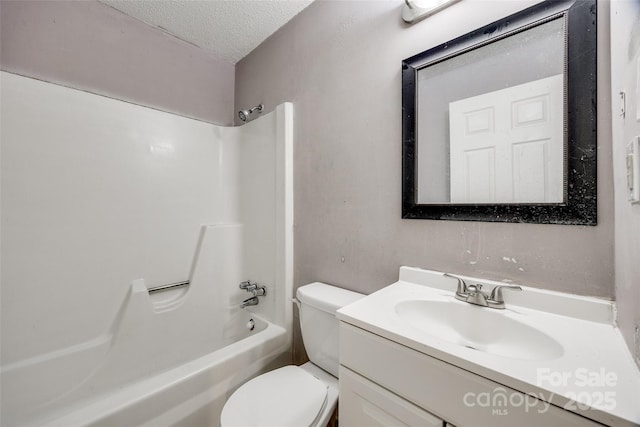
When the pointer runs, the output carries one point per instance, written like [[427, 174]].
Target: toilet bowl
[[297, 396]]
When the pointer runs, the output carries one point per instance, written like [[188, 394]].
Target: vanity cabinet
[[368, 404], [384, 383]]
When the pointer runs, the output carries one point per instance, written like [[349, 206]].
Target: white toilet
[[297, 396]]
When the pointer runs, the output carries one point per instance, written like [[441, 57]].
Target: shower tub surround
[[102, 200]]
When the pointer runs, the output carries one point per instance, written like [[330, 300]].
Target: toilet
[[297, 396]]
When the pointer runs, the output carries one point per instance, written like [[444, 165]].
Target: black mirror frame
[[580, 206]]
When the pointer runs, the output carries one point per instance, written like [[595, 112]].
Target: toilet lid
[[285, 397]]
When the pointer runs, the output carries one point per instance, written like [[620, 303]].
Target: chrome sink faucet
[[476, 296], [473, 294]]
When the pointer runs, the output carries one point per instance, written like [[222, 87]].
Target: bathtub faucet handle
[[259, 291], [248, 285]]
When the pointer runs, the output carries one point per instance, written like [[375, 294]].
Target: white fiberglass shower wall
[[101, 200]]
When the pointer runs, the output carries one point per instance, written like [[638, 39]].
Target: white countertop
[[595, 376]]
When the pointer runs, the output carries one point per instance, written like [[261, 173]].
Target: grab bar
[[169, 286]]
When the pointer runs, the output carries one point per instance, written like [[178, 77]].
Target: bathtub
[[168, 359], [191, 394]]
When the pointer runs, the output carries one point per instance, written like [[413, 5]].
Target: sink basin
[[478, 328]]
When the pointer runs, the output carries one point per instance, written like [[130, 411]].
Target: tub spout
[[249, 301]]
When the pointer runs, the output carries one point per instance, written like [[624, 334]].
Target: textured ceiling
[[229, 29]]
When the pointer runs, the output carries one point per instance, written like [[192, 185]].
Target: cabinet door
[[366, 404]]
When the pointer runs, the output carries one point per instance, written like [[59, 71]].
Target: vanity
[[414, 354]]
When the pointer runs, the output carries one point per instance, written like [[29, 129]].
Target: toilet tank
[[318, 305]]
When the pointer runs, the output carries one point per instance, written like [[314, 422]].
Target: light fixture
[[417, 10]]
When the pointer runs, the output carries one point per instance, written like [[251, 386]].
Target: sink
[[479, 328], [561, 348]]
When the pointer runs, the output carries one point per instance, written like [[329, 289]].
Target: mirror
[[499, 124]]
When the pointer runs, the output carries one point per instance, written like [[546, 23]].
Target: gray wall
[[339, 62], [625, 66], [90, 46]]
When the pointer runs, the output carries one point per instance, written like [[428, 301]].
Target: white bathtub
[[191, 394], [168, 359]]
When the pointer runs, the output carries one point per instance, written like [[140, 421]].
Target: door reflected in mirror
[[491, 122]]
